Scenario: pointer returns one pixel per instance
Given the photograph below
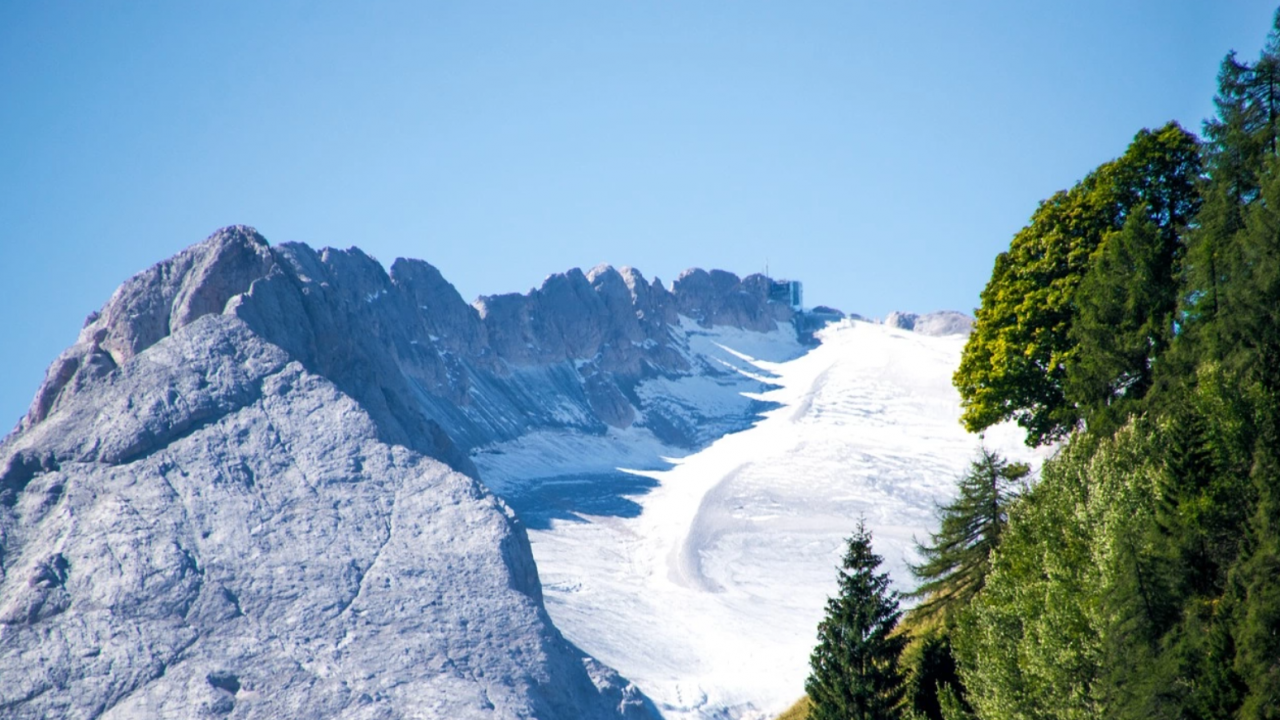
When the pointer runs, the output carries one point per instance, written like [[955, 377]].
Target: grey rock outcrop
[[937, 324], [441, 376], [213, 529], [246, 489], [720, 298]]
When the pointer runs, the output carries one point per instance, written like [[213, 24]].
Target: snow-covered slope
[[257, 484], [703, 578]]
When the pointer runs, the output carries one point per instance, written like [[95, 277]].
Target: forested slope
[[1136, 319], [1134, 324]]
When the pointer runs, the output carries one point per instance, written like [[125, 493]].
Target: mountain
[[249, 486], [225, 500], [702, 576], [262, 484]]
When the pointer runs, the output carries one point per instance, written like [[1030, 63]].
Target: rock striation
[[246, 490], [213, 530], [410, 351]]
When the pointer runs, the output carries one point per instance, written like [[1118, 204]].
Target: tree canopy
[[1017, 362], [854, 669], [1137, 318]]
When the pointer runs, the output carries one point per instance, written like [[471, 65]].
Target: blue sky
[[881, 152]]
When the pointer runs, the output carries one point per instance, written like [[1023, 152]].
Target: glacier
[[702, 576], [274, 481]]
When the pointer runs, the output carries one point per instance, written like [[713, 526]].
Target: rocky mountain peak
[[248, 486], [152, 305], [409, 349], [228, 498]]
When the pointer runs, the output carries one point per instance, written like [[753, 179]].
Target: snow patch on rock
[[935, 324]]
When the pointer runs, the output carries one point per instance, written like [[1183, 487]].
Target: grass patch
[[799, 711]]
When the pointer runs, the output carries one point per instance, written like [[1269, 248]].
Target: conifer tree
[[934, 690], [1238, 141], [958, 556], [854, 669], [1124, 320], [957, 560]]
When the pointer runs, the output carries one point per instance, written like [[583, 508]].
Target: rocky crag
[[407, 347], [246, 490]]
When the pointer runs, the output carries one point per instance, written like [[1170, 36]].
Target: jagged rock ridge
[[228, 496], [408, 348]]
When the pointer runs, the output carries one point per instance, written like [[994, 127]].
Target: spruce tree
[[1126, 302], [934, 690], [854, 669]]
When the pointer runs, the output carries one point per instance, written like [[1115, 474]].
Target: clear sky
[[882, 152]]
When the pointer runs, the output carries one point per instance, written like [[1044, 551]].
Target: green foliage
[[1137, 317], [1029, 645], [1016, 363], [1125, 307], [854, 669], [1238, 143], [1246, 329], [1118, 585], [957, 557], [933, 687], [1256, 579]]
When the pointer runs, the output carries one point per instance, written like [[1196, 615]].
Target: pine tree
[[1124, 321], [854, 669], [1238, 141], [958, 556], [1126, 302], [957, 560]]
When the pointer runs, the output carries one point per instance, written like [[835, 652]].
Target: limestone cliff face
[[440, 376], [246, 489]]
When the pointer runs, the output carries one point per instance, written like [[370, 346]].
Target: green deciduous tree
[[854, 669], [1138, 578], [1029, 645], [1016, 363]]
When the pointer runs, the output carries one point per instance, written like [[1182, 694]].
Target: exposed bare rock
[[720, 298], [246, 489], [160, 300], [438, 375], [945, 322], [213, 529]]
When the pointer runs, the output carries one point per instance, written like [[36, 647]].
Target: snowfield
[[703, 578]]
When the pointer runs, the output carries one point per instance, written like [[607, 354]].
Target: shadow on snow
[[574, 497]]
